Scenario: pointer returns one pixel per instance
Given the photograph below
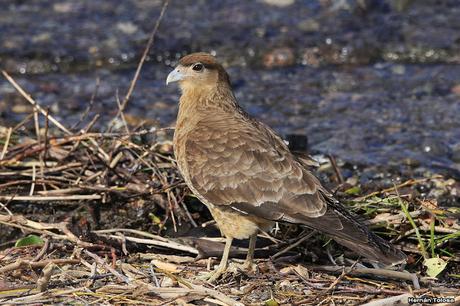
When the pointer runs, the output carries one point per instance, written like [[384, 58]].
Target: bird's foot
[[233, 267], [247, 266], [212, 276]]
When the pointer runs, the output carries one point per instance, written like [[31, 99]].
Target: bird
[[245, 173]]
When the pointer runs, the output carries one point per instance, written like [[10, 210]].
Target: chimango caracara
[[246, 175]]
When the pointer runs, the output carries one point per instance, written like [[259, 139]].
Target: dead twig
[[381, 273], [75, 197], [160, 242], [43, 281], [101, 262], [295, 244], [35, 104], [20, 263], [43, 228], [406, 183], [337, 172], [7, 142]]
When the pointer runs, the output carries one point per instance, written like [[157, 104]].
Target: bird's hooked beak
[[175, 76]]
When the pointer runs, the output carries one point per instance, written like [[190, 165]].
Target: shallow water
[[371, 85]]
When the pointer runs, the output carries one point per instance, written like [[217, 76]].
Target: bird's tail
[[376, 249], [354, 235]]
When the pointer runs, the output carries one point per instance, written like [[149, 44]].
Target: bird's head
[[198, 70]]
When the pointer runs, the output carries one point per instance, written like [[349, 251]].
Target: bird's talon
[[246, 267], [212, 276], [249, 266], [216, 274]]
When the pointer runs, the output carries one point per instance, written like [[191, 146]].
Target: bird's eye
[[198, 67]]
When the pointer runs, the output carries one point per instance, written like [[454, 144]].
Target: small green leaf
[[29, 240], [434, 266], [353, 190], [271, 302], [155, 219]]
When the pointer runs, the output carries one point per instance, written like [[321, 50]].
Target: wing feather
[[247, 167]]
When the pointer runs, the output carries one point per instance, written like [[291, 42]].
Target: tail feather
[[348, 231], [379, 250]]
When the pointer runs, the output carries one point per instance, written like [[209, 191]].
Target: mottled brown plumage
[[245, 174]]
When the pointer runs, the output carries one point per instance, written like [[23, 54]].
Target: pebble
[[456, 89], [127, 27], [279, 57], [309, 25], [311, 57], [398, 69], [65, 7], [21, 108], [279, 3]]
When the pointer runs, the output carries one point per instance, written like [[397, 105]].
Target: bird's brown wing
[[241, 164]]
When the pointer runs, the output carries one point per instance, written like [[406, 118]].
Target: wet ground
[[373, 82]]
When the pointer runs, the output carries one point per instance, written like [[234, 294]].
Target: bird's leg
[[223, 262], [248, 264]]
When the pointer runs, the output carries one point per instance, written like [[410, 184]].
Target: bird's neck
[[204, 103], [199, 101]]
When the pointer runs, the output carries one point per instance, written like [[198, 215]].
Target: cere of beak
[[174, 76]]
